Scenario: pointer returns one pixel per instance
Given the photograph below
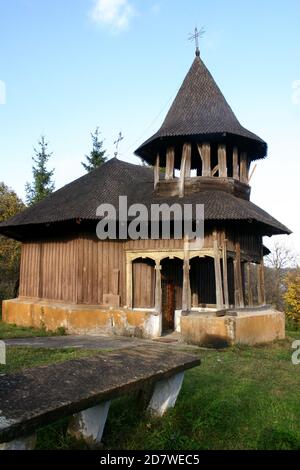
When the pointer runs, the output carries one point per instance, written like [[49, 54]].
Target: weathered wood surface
[[170, 163], [42, 395], [167, 188], [204, 151]]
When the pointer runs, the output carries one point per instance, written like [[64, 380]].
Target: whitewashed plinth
[[165, 394], [89, 424]]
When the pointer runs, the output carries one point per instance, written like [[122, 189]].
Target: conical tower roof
[[201, 112]]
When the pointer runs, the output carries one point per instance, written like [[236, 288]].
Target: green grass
[[239, 398], [13, 331]]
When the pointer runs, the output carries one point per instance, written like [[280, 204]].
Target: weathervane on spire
[[117, 142], [195, 37]]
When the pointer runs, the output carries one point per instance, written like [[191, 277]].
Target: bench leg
[[89, 424], [165, 394], [23, 443]]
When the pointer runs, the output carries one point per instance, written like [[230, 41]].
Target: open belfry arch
[[213, 293]]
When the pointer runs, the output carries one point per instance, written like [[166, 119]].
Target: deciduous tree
[[10, 204]]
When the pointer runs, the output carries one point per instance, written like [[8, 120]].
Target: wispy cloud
[[2, 92], [155, 8], [114, 14], [296, 92]]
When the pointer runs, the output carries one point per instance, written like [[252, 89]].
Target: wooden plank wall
[[58, 270], [75, 270], [30, 270], [96, 263]]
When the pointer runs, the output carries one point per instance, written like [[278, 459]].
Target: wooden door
[[168, 305]]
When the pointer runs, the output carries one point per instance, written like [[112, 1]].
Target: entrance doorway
[[171, 280]]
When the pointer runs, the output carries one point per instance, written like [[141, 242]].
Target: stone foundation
[[253, 327], [81, 319], [199, 328]]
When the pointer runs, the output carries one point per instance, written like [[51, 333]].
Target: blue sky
[[68, 66]]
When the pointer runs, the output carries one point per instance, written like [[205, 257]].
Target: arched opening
[[171, 283], [143, 283], [203, 284]]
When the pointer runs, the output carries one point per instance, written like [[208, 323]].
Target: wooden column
[[158, 287], [218, 275], [222, 162], [262, 277], [204, 151], [170, 163], [244, 177], [261, 296], [186, 286], [129, 284], [249, 285], [235, 164], [156, 171], [238, 280], [225, 274], [185, 168]]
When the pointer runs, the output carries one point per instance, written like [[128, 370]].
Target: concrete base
[[165, 394], [253, 326], [89, 424], [247, 327], [81, 319], [23, 443]]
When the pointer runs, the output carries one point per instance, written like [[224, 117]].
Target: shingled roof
[[201, 112], [80, 199]]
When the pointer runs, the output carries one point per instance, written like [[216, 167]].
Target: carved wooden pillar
[[156, 171], [244, 177], [185, 168], [235, 164], [170, 163], [129, 283], [218, 275], [225, 275], [204, 151], [158, 287], [222, 162], [238, 280]]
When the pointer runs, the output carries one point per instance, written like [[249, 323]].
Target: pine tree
[[97, 156], [42, 184]]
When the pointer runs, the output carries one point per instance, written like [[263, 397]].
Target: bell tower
[[201, 138]]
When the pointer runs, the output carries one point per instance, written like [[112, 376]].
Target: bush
[[292, 298]]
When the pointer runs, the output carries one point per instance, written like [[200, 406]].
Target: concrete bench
[[84, 388]]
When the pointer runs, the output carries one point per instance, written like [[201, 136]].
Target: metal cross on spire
[[195, 37], [117, 142]]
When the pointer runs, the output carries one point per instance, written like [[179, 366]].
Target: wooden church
[[146, 288]]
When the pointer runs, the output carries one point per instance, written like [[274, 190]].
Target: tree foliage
[[280, 260], [10, 204], [292, 296], [97, 156], [42, 184]]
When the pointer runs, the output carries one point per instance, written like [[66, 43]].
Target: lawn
[[239, 398], [13, 331]]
